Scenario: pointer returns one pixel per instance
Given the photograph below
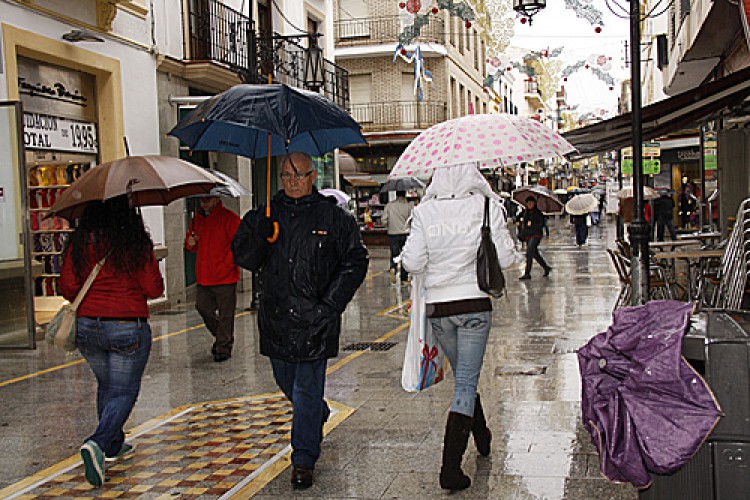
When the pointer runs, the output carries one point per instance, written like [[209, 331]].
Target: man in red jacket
[[216, 297]]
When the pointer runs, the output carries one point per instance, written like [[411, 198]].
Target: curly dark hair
[[113, 227]]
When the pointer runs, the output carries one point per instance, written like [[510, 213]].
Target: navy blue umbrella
[[268, 120], [239, 120]]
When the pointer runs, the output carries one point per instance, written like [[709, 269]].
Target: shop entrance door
[[16, 300]]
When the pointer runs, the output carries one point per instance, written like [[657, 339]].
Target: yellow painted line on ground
[[81, 360], [342, 413], [268, 474]]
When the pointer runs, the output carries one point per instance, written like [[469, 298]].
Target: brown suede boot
[[457, 432], [482, 434]]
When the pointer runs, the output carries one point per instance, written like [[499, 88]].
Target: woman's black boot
[[482, 434], [457, 432]]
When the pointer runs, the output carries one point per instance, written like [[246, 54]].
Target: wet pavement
[[383, 441]]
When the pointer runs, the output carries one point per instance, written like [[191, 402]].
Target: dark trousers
[[303, 383], [532, 253], [582, 232], [660, 229], [216, 305], [397, 242]]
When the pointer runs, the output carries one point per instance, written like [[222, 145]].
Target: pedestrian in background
[[395, 217], [443, 245], [582, 228], [113, 333], [215, 271], [530, 231], [663, 215], [310, 273]]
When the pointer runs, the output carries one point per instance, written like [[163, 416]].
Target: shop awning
[[361, 181], [686, 110]]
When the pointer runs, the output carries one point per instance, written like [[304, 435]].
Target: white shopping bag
[[425, 363]]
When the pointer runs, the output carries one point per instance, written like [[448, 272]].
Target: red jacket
[[215, 263], [113, 295]]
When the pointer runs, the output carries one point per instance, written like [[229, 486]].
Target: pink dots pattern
[[485, 139]]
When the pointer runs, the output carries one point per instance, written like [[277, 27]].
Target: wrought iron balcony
[[391, 116], [383, 30], [221, 34]]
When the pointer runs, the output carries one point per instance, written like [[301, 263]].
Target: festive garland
[[420, 72], [585, 10], [409, 33], [599, 64]]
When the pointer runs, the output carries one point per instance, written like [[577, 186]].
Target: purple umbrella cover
[[646, 408]]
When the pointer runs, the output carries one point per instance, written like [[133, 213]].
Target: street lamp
[[528, 8], [639, 228], [314, 65]]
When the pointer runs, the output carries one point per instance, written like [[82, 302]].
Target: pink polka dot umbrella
[[486, 139]]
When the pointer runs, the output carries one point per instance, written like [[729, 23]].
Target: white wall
[[138, 70]]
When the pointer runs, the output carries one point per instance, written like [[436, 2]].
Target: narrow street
[[197, 420]]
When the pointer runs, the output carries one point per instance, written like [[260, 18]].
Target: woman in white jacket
[[443, 245]]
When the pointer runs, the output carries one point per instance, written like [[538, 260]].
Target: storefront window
[[326, 169]]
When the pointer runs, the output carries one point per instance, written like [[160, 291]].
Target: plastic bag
[[425, 363]]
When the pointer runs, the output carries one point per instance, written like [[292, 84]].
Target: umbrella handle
[[275, 235]]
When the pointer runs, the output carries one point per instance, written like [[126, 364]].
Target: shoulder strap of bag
[[89, 281], [486, 220]]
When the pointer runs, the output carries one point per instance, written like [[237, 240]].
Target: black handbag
[[489, 274]]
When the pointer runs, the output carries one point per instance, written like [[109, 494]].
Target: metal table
[[695, 259]]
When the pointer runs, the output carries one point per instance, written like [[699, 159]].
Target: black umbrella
[[268, 120], [402, 184]]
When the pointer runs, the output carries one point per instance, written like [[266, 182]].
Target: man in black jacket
[[532, 224], [310, 273], [663, 213]]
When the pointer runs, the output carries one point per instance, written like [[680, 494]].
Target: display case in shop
[[48, 175]]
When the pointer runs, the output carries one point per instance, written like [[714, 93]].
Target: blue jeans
[[117, 352], [464, 338], [303, 383]]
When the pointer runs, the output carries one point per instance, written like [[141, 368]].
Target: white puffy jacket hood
[[445, 234]]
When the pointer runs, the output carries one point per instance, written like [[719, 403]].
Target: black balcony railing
[[383, 30], [218, 33], [284, 58], [383, 116]]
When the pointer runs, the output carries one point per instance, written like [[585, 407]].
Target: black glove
[[265, 228]]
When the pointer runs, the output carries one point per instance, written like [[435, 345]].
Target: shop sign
[[60, 134], [650, 163], [709, 151]]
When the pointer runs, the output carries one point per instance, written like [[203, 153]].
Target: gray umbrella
[[402, 184], [546, 200], [229, 186]]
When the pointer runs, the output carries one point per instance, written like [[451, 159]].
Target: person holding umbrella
[[532, 225], [310, 273], [210, 236], [395, 217], [443, 245], [113, 331]]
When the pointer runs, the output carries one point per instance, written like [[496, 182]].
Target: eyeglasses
[[286, 176]]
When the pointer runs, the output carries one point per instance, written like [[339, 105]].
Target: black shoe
[[220, 356], [302, 477], [546, 271], [525, 277]]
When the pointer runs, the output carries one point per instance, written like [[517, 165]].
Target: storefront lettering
[[52, 132], [688, 155], [57, 92]]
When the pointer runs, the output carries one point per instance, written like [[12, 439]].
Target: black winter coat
[[309, 274], [532, 224]]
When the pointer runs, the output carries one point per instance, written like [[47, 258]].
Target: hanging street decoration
[[598, 64], [585, 10], [420, 72], [492, 18]]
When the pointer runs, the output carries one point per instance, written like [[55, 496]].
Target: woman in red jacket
[[113, 331]]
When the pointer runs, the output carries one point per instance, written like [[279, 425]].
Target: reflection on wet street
[[387, 443]]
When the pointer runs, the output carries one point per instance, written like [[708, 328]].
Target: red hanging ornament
[[565, 79], [468, 24], [413, 6], [434, 10], [402, 5], [509, 68], [587, 66], [523, 20], [403, 52], [598, 29], [611, 88]]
